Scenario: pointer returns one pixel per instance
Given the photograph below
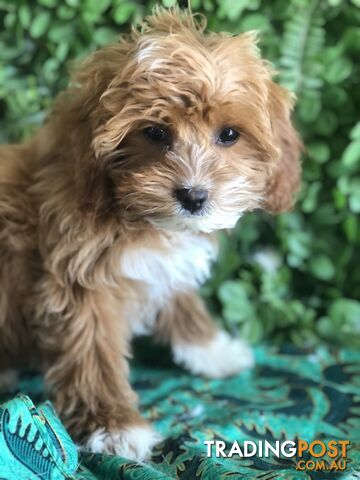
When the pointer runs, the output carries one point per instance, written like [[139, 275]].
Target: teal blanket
[[290, 395]]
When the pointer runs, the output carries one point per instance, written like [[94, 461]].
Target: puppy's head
[[188, 129]]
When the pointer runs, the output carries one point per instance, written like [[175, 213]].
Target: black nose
[[192, 199]]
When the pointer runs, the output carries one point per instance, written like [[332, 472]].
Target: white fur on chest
[[179, 262], [176, 263]]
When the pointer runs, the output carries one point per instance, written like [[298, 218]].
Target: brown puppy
[[106, 215]]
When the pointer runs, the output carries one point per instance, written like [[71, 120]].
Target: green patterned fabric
[[289, 395], [34, 444]]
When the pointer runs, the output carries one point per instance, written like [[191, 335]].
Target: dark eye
[[227, 136], [157, 134]]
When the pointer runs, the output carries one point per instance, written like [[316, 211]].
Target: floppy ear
[[80, 117], [285, 173]]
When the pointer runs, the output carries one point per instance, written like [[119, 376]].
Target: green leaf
[[236, 304], [195, 4], [105, 35], [309, 108], [322, 267], [66, 13], [351, 39], [339, 199], [319, 151], [92, 10], [351, 228], [351, 155], [61, 31], [354, 199], [62, 51], [10, 20], [252, 330], [96, 6], [25, 16], [326, 328], [48, 3], [311, 197], [299, 244], [338, 70], [232, 10], [345, 315], [208, 5], [326, 123], [335, 96], [355, 132], [256, 21], [40, 24], [123, 12]]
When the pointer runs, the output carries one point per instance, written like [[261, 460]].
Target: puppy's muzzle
[[191, 199]]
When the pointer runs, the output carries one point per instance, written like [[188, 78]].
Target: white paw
[[8, 379], [134, 443], [221, 357]]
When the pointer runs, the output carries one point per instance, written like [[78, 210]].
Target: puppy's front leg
[[85, 348], [196, 342]]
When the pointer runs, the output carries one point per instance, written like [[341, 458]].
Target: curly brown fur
[[95, 247]]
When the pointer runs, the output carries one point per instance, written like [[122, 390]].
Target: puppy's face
[[196, 133], [191, 171]]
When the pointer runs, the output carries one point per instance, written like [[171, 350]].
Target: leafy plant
[[295, 277]]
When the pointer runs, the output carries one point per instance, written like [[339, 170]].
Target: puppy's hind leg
[[197, 344]]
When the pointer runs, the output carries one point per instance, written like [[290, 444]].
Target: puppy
[[107, 215]]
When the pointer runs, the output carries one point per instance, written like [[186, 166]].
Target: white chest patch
[[180, 262], [177, 263]]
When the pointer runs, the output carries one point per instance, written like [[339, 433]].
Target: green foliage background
[[295, 277]]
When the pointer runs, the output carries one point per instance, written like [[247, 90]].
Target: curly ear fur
[[76, 116], [285, 174]]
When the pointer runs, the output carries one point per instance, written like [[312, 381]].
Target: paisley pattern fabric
[[34, 444], [287, 396]]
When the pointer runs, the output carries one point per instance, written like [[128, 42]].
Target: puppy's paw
[[221, 357], [8, 380], [134, 443]]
